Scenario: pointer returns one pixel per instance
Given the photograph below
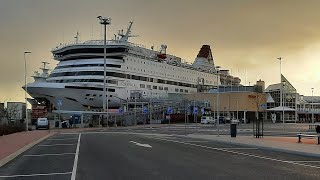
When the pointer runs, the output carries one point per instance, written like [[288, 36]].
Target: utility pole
[[26, 87], [312, 115]]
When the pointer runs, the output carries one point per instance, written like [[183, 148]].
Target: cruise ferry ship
[[132, 71]]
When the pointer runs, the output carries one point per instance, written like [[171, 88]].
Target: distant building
[[308, 105], [284, 97], [16, 111], [235, 102]]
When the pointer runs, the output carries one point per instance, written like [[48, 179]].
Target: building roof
[[281, 108], [273, 87], [287, 86]]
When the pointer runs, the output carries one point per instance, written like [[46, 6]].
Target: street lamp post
[[25, 85], [312, 115], [218, 113], [105, 100], [283, 103], [281, 91]]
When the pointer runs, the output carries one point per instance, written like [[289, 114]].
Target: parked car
[[207, 120], [234, 121], [227, 119], [42, 123]]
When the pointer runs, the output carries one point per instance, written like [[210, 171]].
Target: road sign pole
[[185, 118], [194, 114]]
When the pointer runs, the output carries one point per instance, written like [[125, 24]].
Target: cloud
[[246, 34]]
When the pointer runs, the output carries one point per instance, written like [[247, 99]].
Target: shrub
[[11, 128]]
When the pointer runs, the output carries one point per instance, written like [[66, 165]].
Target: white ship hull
[[132, 71], [69, 99]]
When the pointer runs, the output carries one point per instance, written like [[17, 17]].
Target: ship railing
[[97, 42]]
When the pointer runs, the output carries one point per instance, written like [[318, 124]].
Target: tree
[[11, 112]]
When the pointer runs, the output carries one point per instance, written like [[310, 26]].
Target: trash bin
[[233, 130], [56, 124]]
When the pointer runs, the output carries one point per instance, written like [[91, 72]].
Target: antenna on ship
[[45, 69], [125, 36], [77, 37], [45, 64]]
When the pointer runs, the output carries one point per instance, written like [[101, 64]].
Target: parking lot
[[129, 155], [53, 158]]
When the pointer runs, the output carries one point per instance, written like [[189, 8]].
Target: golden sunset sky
[[243, 34]]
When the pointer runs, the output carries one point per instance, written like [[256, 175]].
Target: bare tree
[[11, 113]]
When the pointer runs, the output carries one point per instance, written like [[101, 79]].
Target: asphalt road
[[112, 155]]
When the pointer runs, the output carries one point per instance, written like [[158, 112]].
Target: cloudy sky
[[245, 35]]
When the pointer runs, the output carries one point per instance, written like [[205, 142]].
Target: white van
[[42, 123], [207, 120]]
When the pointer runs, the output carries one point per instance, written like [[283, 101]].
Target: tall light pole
[[218, 113], [25, 85], [283, 83], [105, 100], [281, 90], [312, 106]]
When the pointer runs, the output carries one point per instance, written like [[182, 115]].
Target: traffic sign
[[169, 110], [59, 102], [264, 106], [145, 110], [195, 110], [120, 110]]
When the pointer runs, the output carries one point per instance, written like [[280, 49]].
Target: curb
[[21, 150], [265, 147]]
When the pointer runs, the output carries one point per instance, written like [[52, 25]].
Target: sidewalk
[[13, 144], [285, 144]]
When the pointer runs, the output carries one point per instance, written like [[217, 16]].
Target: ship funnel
[[204, 59]]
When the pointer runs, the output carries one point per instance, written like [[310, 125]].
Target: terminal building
[[235, 102], [283, 101], [276, 103]]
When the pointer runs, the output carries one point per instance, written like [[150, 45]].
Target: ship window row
[[173, 68], [183, 76], [90, 57], [82, 80], [90, 50], [89, 65], [91, 88], [121, 75], [162, 88]]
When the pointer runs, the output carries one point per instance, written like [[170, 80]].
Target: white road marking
[[75, 163], [31, 175], [307, 161], [56, 144], [139, 144], [70, 133], [240, 153], [40, 155], [195, 141], [62, 139], [240, 148]]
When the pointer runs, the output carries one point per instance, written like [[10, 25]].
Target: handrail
[[96, 42]]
